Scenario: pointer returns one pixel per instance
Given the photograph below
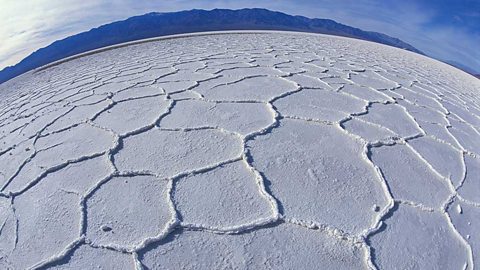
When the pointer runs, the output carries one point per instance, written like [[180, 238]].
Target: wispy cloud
[[31, 24]]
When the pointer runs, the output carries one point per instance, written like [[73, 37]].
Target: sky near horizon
[[443, 29]]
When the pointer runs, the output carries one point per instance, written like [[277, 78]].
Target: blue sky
[[444, 29]]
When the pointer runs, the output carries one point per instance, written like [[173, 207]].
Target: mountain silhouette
[[161, 24]]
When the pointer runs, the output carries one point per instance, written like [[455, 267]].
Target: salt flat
[[246, 150]]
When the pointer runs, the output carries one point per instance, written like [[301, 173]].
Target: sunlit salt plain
[[241, 151]]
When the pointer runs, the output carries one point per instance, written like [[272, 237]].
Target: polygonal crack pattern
[[250, 151], [283, 246], [233, 200], [317, 162], [81, 258], [125, 210], [440, 243], [466, 218], [409, 178], [170, 153]]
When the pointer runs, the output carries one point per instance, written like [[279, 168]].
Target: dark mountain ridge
[[161, 24]]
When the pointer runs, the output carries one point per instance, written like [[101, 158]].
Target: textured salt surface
[[241, 151]]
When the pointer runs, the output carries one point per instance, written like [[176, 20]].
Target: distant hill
[[462, 67], [161, 24]]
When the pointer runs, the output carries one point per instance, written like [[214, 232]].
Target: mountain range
[[462, 67], [161, 24]]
